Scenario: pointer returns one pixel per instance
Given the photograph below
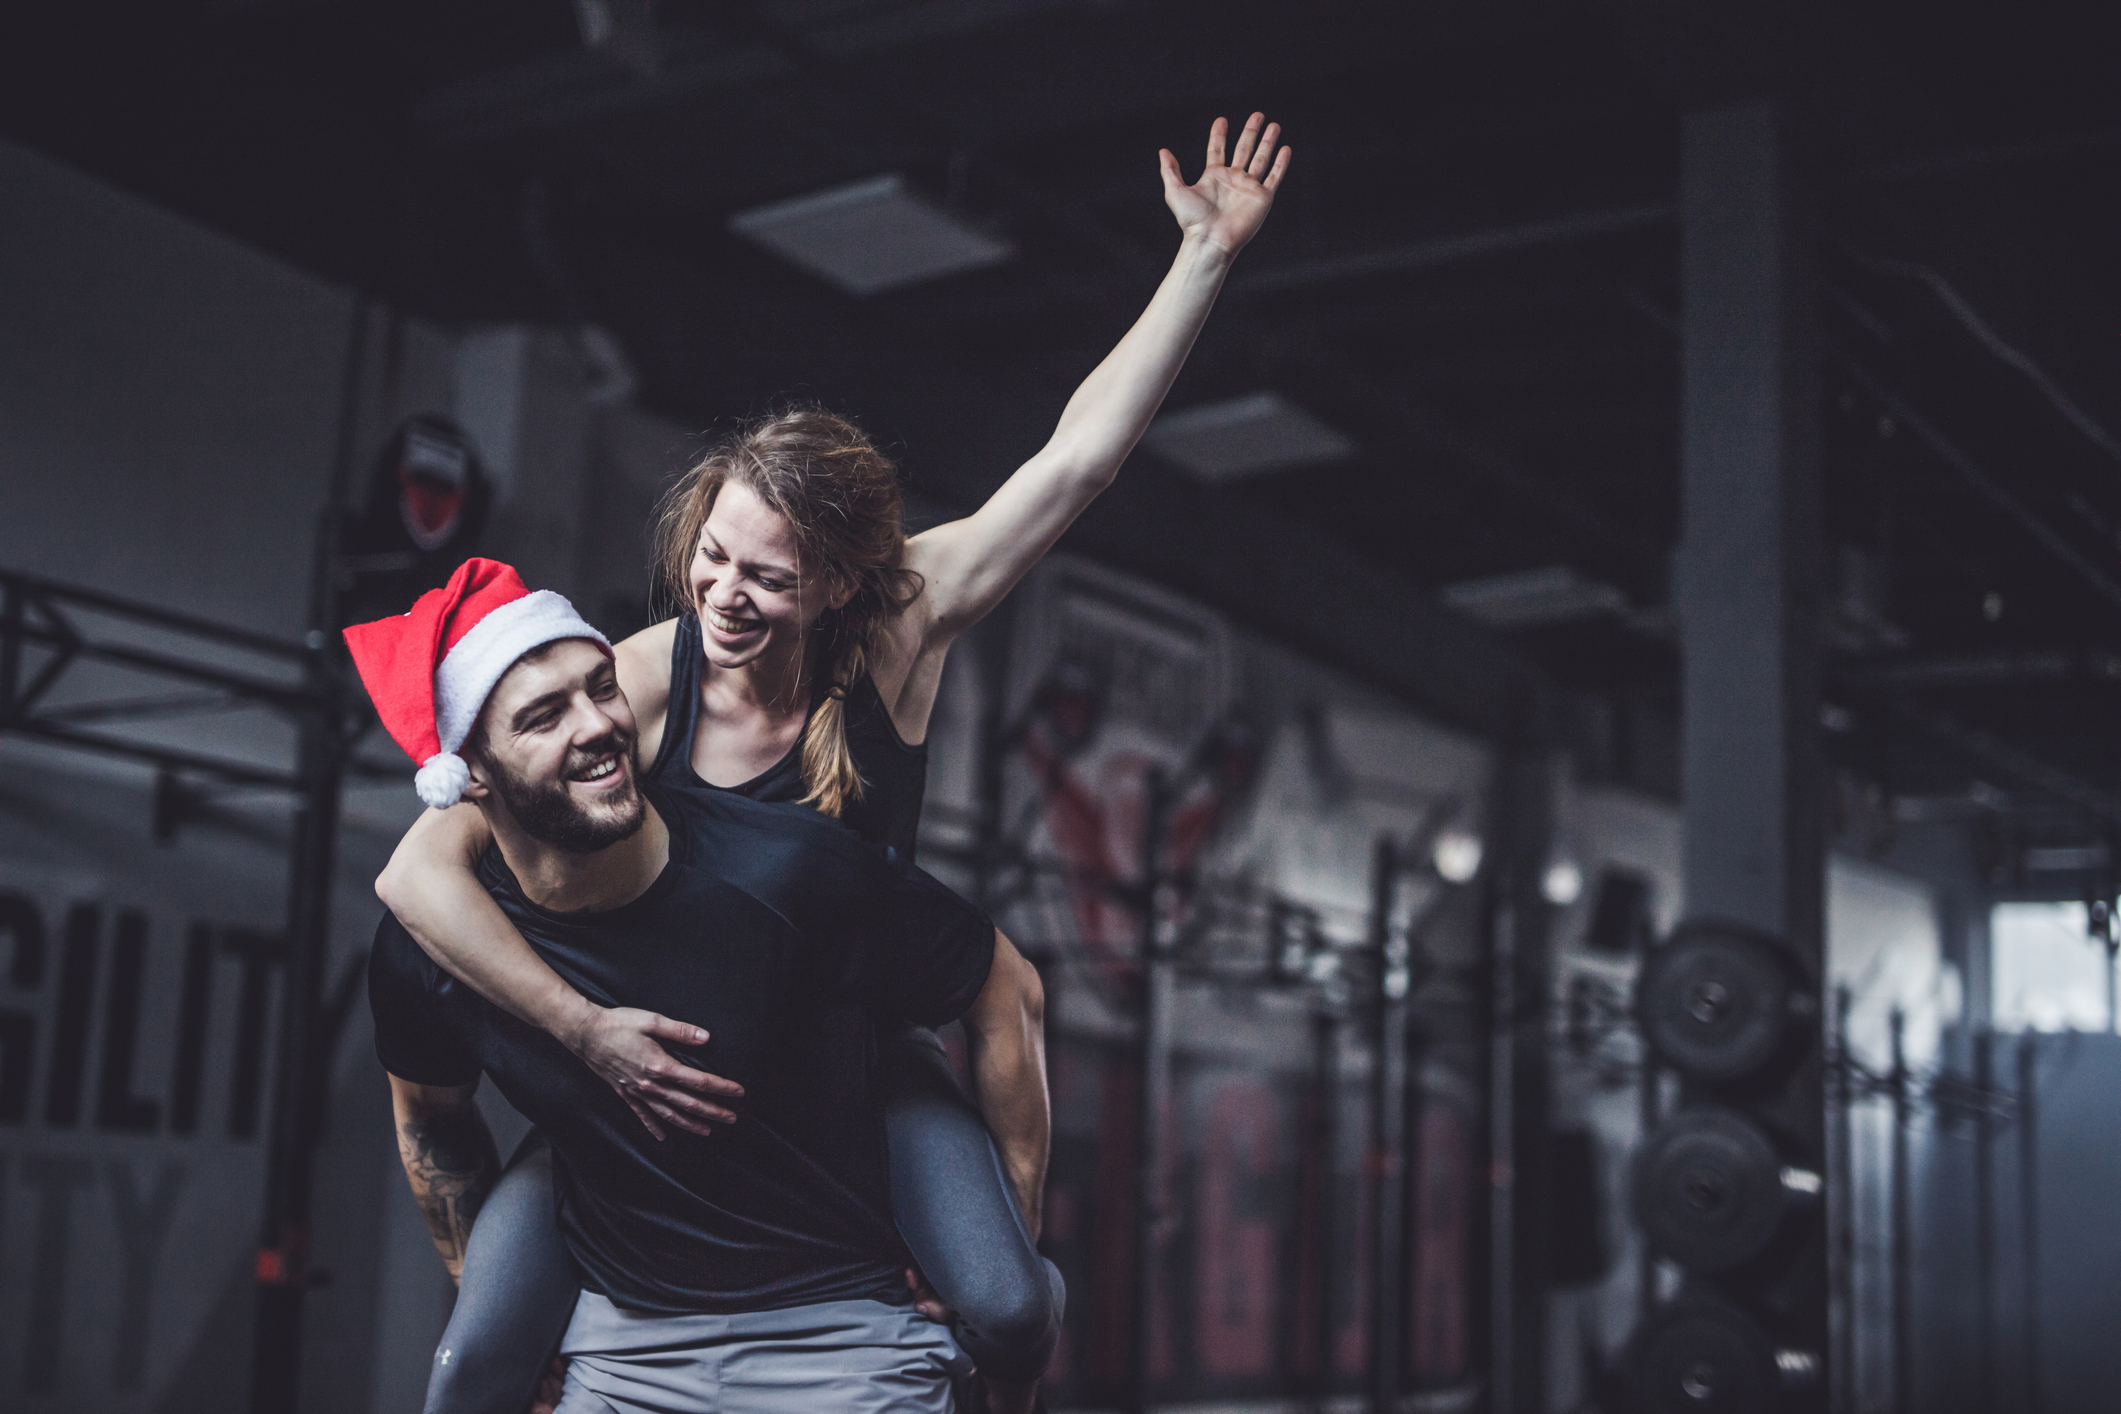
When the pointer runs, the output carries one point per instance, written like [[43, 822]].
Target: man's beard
[[549, 814]]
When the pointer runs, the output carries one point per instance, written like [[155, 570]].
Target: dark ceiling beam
[[1990, 157], [1985, 670], [563, 91], [1450, 250], [1419, 424], [2019, 765], [1951, 454], [1990, 487], [1587, 225]]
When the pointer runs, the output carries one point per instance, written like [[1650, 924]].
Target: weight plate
[[1715, 1003], [1708, 1190], [1702, 1357]]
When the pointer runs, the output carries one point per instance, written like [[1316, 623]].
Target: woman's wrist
[[1204, 252], [568, 1016]]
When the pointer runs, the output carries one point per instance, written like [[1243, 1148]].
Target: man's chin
[[612, 824], [585, 830]]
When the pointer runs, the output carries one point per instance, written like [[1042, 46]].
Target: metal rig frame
[[1372, 987], [39, 617]]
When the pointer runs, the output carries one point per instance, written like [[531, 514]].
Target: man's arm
[[449, 1160], [1005, 1032]]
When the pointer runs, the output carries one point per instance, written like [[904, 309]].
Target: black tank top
[[894, 775]]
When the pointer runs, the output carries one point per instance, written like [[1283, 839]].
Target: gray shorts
[[863, 1357]]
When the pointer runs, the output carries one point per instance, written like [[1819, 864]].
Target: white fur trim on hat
[[466, 676], [440, 783]]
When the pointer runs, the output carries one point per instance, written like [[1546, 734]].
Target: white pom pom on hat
[[430, 670], [440, 783]]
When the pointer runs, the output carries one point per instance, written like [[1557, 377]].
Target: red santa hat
[[431, 670]]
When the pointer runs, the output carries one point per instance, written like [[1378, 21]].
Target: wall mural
[[1133, 718]]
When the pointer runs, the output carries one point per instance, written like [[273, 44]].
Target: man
[[756, 1269]]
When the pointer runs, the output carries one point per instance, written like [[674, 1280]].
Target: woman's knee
[[1011, 1330]]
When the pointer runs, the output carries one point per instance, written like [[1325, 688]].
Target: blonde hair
[[840, 496]]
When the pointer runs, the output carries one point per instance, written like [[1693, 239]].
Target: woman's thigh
[[951, 1200], [517, 1292]]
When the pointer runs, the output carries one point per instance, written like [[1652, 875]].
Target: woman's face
[[753, 600]]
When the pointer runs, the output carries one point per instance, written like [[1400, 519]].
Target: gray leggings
[[949, 1196]]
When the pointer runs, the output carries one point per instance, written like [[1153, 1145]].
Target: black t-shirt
[[790, 940], [894, 775]]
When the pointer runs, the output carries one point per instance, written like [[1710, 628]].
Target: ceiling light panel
[[1246, 436], [870, 236], [1554, 595]]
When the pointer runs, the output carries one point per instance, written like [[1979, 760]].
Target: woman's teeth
[[729, 625]]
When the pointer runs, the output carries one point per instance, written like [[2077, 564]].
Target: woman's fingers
[[668, 1096], [640, 1112], [682, 1032], [1246, 141], [1218, 139], [1281, 169], [1167, 168], [678, 1073], [925, 1300], [679, 1120], [1263, 156]]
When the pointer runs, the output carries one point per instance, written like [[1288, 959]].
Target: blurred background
[[1586, 728]]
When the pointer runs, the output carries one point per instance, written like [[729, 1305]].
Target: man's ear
[[475, 766]]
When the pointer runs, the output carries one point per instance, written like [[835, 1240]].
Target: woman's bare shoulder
[[643, 661], [652, 641]]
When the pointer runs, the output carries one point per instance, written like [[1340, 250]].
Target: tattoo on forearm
[[451, 1164]]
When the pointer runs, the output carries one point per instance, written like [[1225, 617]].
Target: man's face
[[557, 749]]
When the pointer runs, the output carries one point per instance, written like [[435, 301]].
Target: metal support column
[[283, 1273], [1841, 1216], [1520, 981], [1985, 1214], [1502, 1163], [299, 1078], [1154, 1057], [1386, 1167], [1901, 1219], [2029, 1212], [1325, 1150], [1747, 579]]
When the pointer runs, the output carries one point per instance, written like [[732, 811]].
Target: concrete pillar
[[1748, 583], [1747, 586]]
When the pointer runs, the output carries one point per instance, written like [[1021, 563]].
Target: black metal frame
[[40, 615], [35, 614]]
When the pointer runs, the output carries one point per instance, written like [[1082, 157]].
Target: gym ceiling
[[1471, 276]]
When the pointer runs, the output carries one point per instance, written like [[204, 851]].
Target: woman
[[807, 668]]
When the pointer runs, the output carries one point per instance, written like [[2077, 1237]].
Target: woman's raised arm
[[968, 565]]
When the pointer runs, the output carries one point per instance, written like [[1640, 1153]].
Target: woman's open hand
[[1229, 203], [622, 1045]]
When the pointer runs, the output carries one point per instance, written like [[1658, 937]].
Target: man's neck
[[576, 883]]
